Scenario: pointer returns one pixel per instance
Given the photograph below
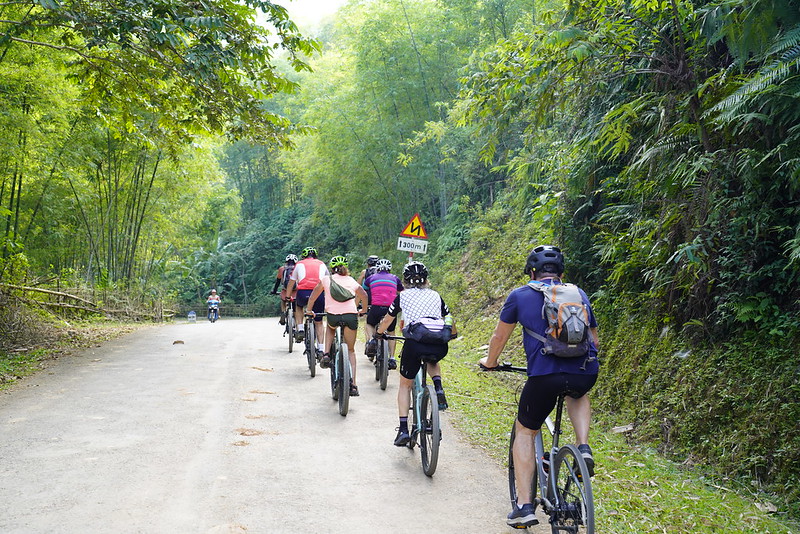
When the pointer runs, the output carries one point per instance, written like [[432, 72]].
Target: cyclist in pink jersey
[[382, 288], [341, 312], [305, 277]]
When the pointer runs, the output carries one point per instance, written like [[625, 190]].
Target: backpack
[[287, 273], [567, 334]]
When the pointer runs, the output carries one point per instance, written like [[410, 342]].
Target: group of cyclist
[[382, 296]]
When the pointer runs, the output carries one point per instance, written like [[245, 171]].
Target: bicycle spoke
[[573, 502]]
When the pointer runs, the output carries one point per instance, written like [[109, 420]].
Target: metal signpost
[[413, 238]]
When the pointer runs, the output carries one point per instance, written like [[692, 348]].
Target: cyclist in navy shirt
[[548, 375]]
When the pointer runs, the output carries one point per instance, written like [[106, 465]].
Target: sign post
[[413, 238]]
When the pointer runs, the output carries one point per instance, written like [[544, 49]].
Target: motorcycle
[[213, 310]]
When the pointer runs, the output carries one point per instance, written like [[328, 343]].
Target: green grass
[[19, 365], [636, 489]]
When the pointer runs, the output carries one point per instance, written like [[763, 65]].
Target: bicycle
[[310, 342], [341, 374], [564, 490], [424, 421], [290, 327], [382, 362]]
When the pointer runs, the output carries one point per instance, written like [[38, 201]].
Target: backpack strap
[[534, 334]]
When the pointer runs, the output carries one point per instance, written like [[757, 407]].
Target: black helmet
[[545, 258], [372, 260], [415, 273]]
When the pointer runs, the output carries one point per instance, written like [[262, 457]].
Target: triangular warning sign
[[415, 228]]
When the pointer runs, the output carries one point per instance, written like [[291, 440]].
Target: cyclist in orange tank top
[[305, 277]]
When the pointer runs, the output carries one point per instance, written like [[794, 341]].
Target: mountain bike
[[290, 328], [561, 484], [382, 362], [310, 342], [341, 373], [424, 423]]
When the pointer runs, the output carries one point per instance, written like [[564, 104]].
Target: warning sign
[[415, 228]]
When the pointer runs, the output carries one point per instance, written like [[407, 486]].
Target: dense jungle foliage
[[657, 142]]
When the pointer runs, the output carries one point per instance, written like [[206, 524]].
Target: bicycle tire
[[290, 327], [573, 504], [430, 431], [343, 363], [384, 366], [334, 349], [512, 481], [310, 344]]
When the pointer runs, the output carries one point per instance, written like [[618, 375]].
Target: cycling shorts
[[376, 313], [540, 394], [413, 354], [301, 299], [348, 320]]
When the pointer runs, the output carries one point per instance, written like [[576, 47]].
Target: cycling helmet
[[309, 251], [383, 265], [292, 258], [545, 258], [372, 260], [415, 273], [338, 261]]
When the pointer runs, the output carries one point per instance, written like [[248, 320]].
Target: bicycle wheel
[[343, 364], [334, 351], [383, 351], [290, 327], [430, 433], [310, 344], [573, 505]]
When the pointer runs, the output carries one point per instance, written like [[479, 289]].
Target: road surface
[[224, 433]]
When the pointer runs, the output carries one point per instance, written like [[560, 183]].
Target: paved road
[[225, 433]]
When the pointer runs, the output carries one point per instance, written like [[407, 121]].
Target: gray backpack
[[567, 334]]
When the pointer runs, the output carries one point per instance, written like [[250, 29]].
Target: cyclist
[[548, 375], [382, 288], [372, 261], [417, 302], [340, 311], [282, 279], [305, 277]]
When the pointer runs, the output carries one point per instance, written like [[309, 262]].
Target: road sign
[[411, 245], [415, 228]]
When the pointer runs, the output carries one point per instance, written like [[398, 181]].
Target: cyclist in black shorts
[[382, 288], [548, 375], [419, 304]]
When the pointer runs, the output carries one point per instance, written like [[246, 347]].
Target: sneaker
[[282, 320], [441, 398], [299, 336], [325, 362], [522, 517], [586, 452], [353, 390], [402, 438], [371, 349], [392, 364]]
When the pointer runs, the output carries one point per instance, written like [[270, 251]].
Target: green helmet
[[309, 251], [338, 261]]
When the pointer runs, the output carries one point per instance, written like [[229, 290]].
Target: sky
[[309, 12]]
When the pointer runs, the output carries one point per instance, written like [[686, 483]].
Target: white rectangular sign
[[409, 244]]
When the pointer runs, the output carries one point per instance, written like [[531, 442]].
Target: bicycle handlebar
[[505, 366]]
